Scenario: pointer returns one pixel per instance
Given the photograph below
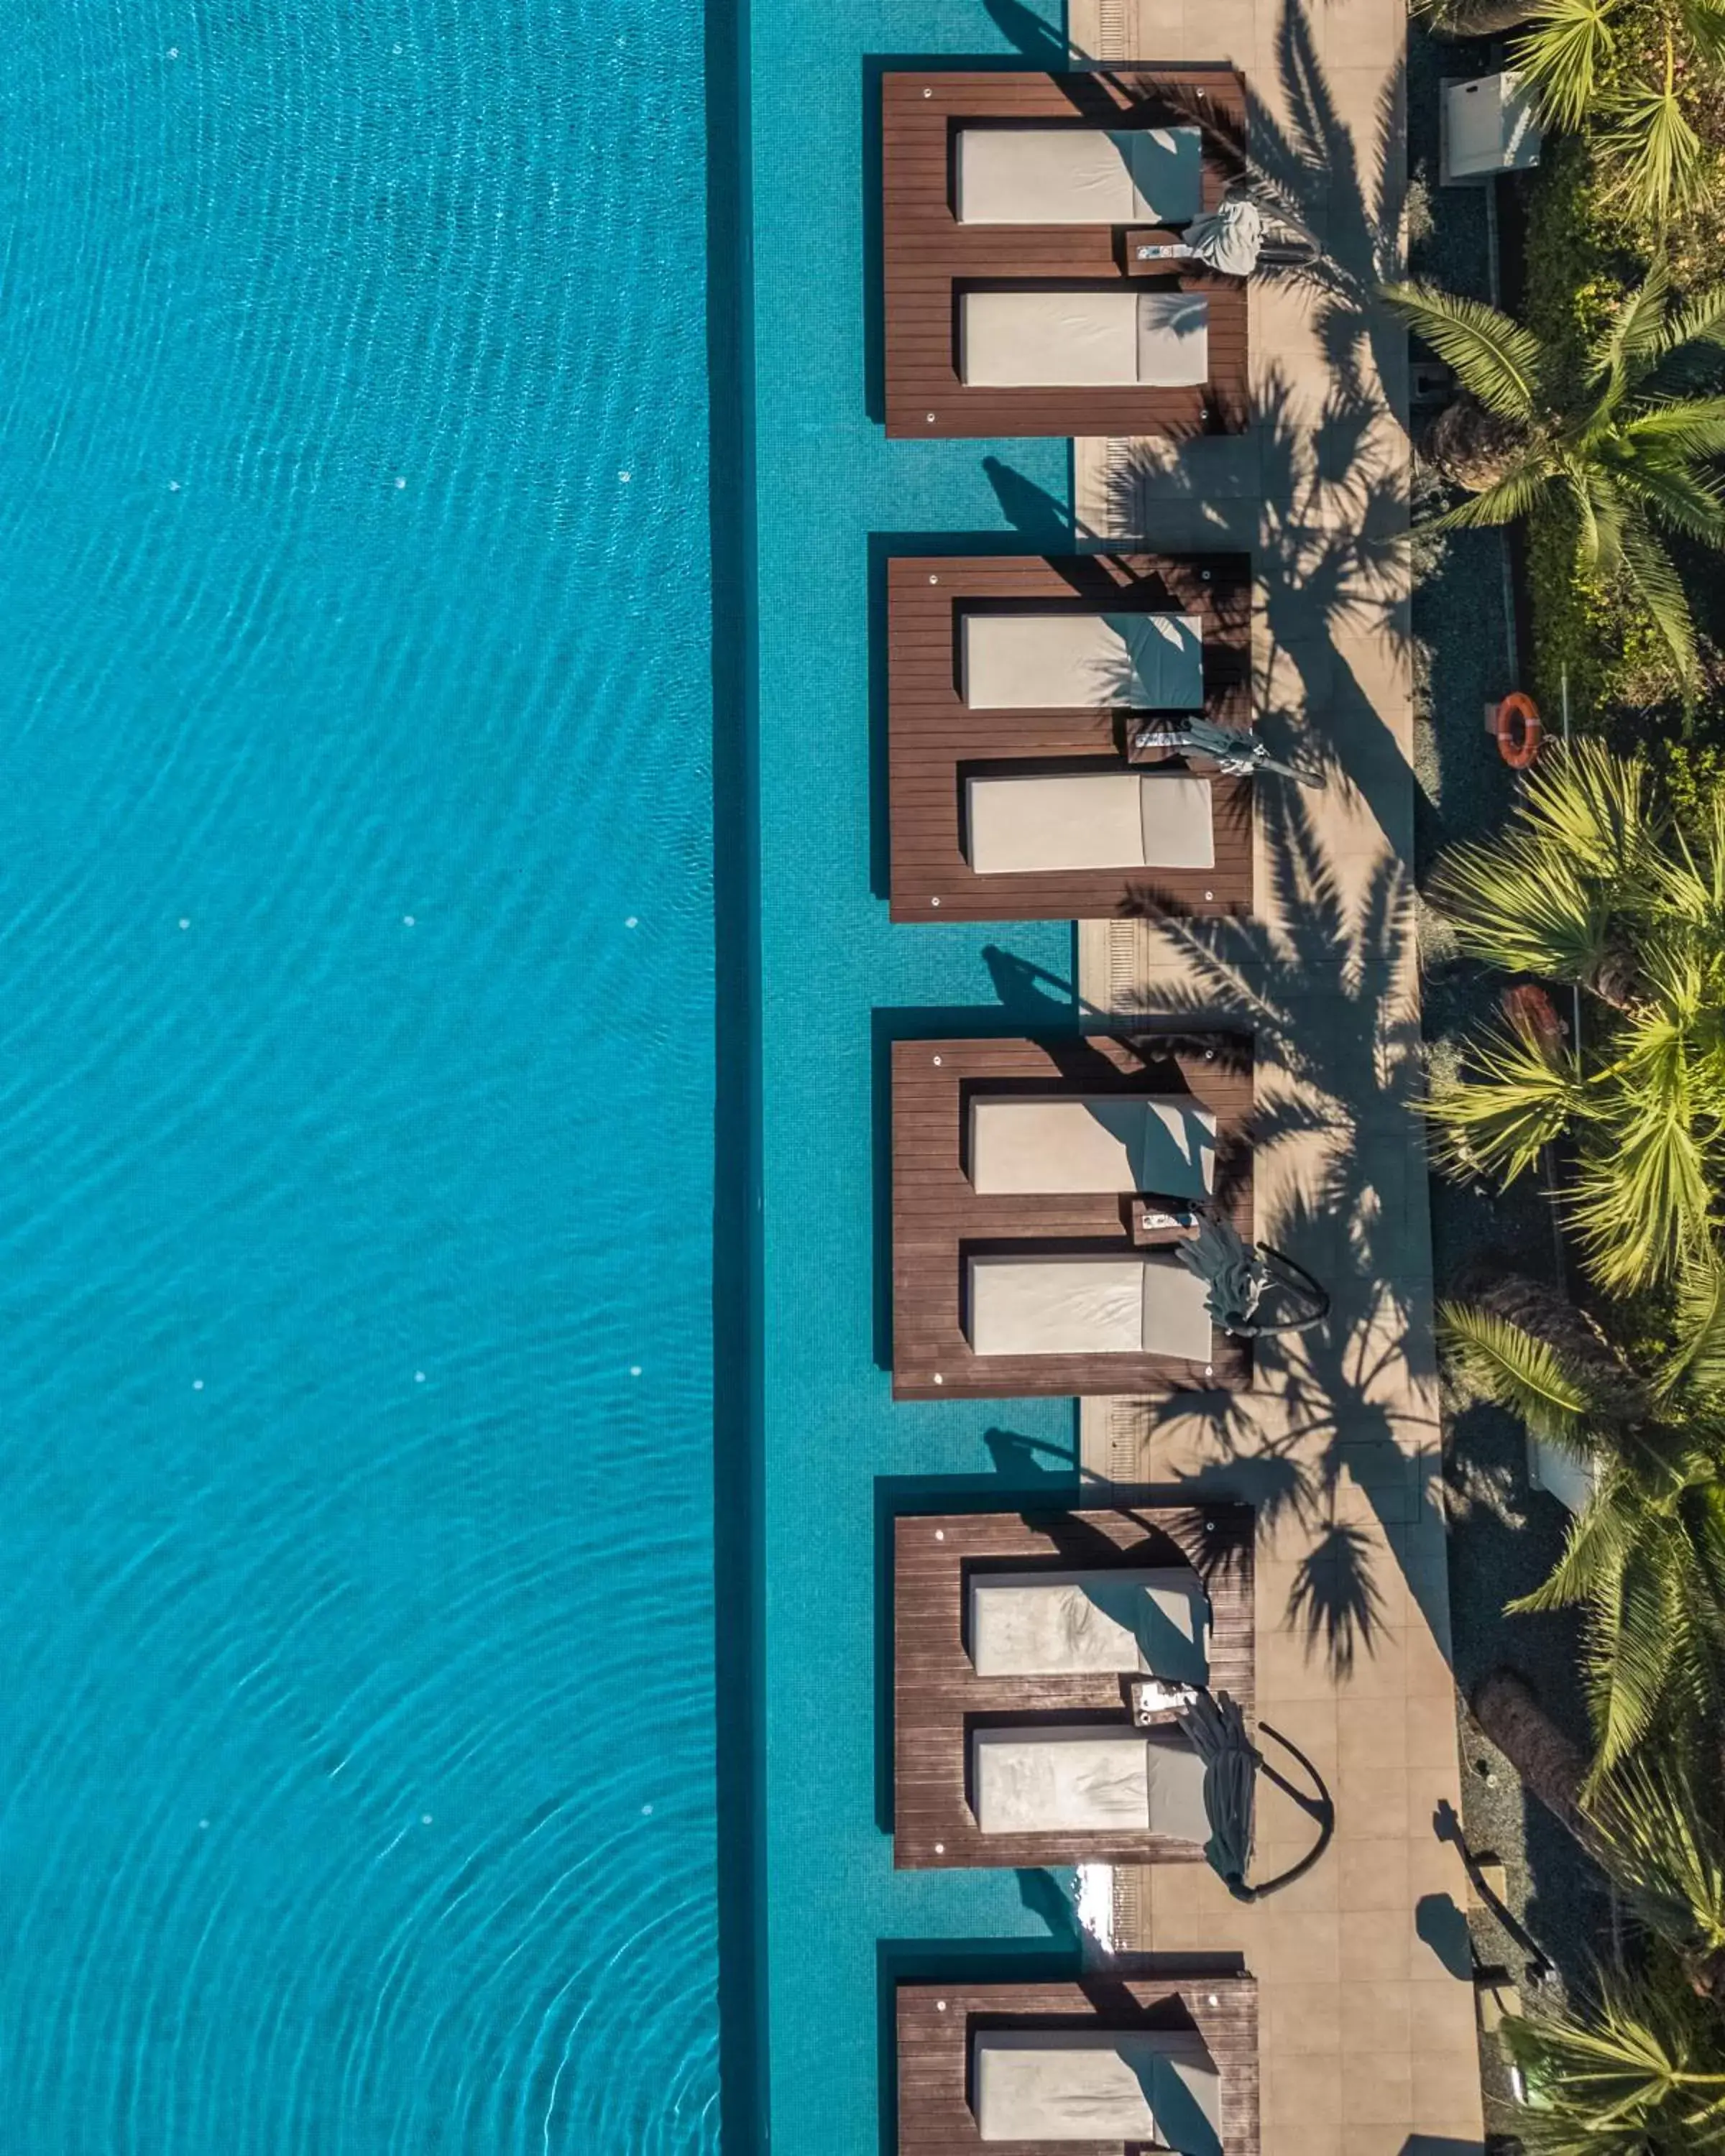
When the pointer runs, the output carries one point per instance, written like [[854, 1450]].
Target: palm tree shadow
[[1324, 982], [1328, 530], [1334, 1599], [1324, 979], [1307, 164]]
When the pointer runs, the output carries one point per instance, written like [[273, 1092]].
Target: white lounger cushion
[[1094, 2085], [1078, 1305], [1115, 1621], [1079, 175], [1023, 823], [1090, 1144], [1089, 1777], [1083, 662], [1080, 339]]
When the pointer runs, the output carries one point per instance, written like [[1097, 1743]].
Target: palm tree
[[1589, 887], [1639, 2071], [1627, 455], [1644, 1559]]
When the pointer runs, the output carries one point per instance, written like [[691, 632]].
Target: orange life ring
[[1519, 730]]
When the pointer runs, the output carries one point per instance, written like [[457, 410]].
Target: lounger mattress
[[1148, 2084], [1087, 1778], [1117, 1622], [1083, 662], [1045, 824], [1083, 338], [1078, 175], [1082, 1305], [1091, 1144]]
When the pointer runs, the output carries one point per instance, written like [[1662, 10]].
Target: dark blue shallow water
[[356, 1072]]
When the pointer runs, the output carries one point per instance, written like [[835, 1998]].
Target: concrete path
[[1370, 2045]]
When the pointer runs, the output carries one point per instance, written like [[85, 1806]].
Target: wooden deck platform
[[935, 2023], [929, 257], [938, 1218], [935, 740], [937, 1694]]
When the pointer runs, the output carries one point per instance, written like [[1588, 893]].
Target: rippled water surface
[[355, 977]]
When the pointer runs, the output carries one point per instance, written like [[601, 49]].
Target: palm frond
[[1660, 589], [1589, 807], [1563, 53], [1506, 502], [1594, 1550], [1666, 1852], [1679, 493], [1696, 1363], [1492, 355], [1688, 881], [1642, 2069], [1634, 335], [1699, 321], [1704, 24], [1692, 426], [1642, 1193], [1525, 1375], [1656, 153], [1524, 907], [1632, 1634], [1601, 515], [1496, 1122]]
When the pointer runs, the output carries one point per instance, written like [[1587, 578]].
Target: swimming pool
[[355, 1623]]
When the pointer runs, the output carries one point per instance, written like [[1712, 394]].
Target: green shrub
[[1690, 777], [1613, 654]]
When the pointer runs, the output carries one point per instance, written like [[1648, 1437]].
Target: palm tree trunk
[[1548, 1316], [1548, 1765], [1470, 447]]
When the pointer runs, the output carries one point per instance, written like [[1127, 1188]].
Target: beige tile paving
[[1367, 2029]]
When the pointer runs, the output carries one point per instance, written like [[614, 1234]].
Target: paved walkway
[[1368, 2027]]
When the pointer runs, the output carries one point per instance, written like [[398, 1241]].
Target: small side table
[[1154, 1220], [1146, 741], [1148, 251], [1153, 1701]]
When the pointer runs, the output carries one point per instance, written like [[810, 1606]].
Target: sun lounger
[[1083, 662], [1091, 1778], [1075, 1304], [1149, 1623], [1155, 2086], [1077, 821], [1064, 1144], [1082, 338], [1078, 174]]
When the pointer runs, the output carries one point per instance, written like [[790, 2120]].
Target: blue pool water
[[356, 983], [839, 982], [373, 1477]]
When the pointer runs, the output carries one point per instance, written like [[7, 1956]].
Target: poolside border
[[739, 1614]]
